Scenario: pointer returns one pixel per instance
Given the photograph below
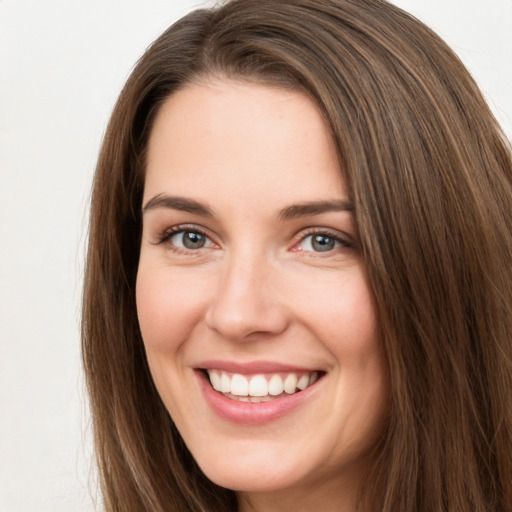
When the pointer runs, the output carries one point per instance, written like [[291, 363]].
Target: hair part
[[430, 174]]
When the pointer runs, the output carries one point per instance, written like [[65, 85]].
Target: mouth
[[261, 387], [259, 392]]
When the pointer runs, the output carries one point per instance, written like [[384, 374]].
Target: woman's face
[[251, 279]]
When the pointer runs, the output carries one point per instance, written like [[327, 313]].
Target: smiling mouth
[[260, 387]]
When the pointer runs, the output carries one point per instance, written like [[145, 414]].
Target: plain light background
[[62, 64]]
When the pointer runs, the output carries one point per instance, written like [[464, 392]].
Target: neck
[[329, 497]]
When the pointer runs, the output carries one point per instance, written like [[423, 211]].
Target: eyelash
[[167, 234], [344, 242]]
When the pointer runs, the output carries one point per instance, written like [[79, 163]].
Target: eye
[[183, 238], [188, 239], [321, 242]]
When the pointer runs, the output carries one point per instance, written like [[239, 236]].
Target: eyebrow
[[315, 208], [292, 211], [177, 203]]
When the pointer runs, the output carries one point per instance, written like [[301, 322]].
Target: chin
[[277, 463], [248, 477]]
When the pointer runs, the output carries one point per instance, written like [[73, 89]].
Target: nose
[[246, 303]]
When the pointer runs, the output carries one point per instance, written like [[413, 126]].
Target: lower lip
[[253, 413]]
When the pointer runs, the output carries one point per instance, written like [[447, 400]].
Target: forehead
[[241, 139]]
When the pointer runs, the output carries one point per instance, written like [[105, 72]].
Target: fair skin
[[250, 267]]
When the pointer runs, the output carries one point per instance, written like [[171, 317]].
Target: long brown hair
[[430, 174]]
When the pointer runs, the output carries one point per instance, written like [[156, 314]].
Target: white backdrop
[[62, 64]]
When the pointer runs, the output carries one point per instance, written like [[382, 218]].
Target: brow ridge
[[304, 209], [315, 208], [177, 203]]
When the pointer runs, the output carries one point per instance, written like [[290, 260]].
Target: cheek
[[168, 308], [360, 325], [342, 313]]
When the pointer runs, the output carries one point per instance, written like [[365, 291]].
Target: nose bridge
[[245, 301]]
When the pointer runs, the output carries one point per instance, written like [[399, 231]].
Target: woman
[[298, 289]]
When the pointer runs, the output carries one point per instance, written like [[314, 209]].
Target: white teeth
[[239, 385], [290, 383], [259, 388], [225, 383], [303, 382], [275, 385], [215, 380]]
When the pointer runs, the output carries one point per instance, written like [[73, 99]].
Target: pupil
[[322, 243], [193, 240]]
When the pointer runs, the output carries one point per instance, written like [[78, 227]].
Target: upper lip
[[252, 367]]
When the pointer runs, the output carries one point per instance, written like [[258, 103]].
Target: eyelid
[[165, 235], [341, 237], [344, 239]]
